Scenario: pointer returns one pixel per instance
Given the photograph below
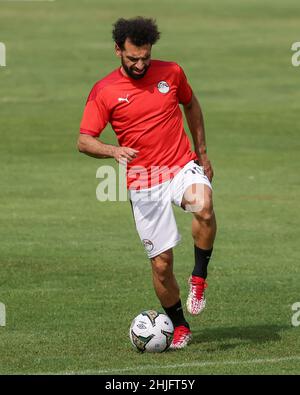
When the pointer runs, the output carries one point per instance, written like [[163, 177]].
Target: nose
[[140, 65]]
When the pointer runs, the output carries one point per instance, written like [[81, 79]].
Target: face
[[135, 60]]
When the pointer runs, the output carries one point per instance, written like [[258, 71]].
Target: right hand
[[125, 155]]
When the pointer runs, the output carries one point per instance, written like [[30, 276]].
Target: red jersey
[[145, 116]]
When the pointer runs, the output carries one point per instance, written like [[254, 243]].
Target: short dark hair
[[140, 31]]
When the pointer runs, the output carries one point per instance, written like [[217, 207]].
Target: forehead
[[136, 52]]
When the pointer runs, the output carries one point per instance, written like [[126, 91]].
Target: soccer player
[[140, 99]]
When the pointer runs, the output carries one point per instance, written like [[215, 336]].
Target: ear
[[118, 50]]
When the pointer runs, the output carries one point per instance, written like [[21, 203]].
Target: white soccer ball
[[151, 331]]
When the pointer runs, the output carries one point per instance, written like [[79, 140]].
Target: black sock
[[176, 314], [202, 258]]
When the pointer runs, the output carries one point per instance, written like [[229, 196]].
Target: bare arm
[[194, 117], [91, 146]]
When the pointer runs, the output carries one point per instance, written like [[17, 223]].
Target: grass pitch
[[73, 273]]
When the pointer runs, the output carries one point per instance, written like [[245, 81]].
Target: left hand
[[207, 167]]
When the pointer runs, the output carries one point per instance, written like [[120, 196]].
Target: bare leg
[[164, 281], [204, 231], [204, 225]]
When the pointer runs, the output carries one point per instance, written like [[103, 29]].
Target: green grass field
[[73, 273]]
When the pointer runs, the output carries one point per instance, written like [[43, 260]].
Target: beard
[[130, 71]]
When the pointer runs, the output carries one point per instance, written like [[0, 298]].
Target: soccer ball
[[151, 331]]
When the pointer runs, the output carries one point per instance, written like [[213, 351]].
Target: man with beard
[[141, 101]]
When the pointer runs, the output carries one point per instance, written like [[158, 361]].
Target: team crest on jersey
[[163, 87]]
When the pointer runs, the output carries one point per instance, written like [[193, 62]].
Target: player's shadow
[[216, 339]]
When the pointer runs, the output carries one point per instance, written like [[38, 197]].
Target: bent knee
[[197, 199], [206, 214], [163, 270]]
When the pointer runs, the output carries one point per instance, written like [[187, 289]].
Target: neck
[[123, 71]]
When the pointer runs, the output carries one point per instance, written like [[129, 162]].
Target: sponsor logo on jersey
[[121, 99]]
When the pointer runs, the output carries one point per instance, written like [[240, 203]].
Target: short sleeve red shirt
[[145, 116]]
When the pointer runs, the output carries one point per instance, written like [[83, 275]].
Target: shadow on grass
[[216, 339]]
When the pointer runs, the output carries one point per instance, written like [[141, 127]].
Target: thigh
[[197, 197], [191, 187], [154, 220]]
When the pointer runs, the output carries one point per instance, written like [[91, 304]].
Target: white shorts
[[153, 212]]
